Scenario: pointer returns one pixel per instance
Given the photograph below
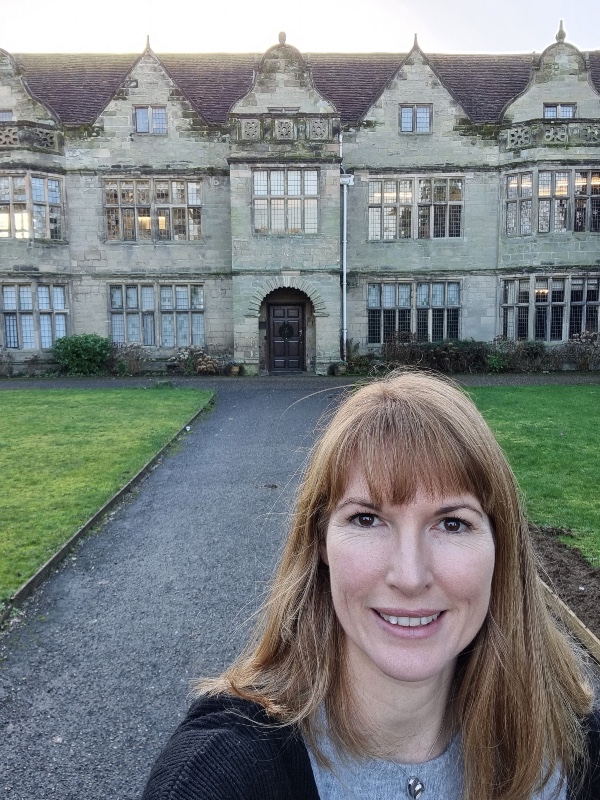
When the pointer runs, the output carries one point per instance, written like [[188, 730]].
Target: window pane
[[27, 332], [526, 184], [278, 216], [159, 120], [117, 328], [166, 297], [437, 294], [405, 222], [183, 330], [310, 215], [595, 183], [556, 323], [545, 184], [511, 218], [131, 296], [439, 221], [375, 192], [277, 182], [39, 222], [453, 294], [111, 193], [260, 182], [43, 294], [424, 191], [294, 182], [181, 297], [455, 189], [58, 298], [4, 222], [128, 222], [405, 192], [560, 216], [592, 290], [261, 216], [512, 183], [11, 338], [54, 220], [437, 324], [45, 331], [558, 290], [113, 224], [167, 330], [142, 192], [561, 184], [162, 192], [439, 191], [422, 325], [147, 298], [142, 124], [522, 322], [575, 320], [374, 223], [454, 220], [523, 291], [197, 296], [148, 329], [60, 326], [4, 190], [126, 193], [22, 224], [550, 112], [389, 295], [580, 217], [541, 290], [294, 222], [544, 216], [37, 190], [133, 328], [25, 298], [576, 290], [389, 191], [163, 216], [452, 323], [19, 193], [424, 214], [179, 226], [194, 230], [389, 323], [389, 223], [374, 295], [311, 182], [406, 119], [404, 294], [404, 320], [422, 294], [526, 217], [374, 327], [116, 297], [423, 119], [198, 329], [591, 319]]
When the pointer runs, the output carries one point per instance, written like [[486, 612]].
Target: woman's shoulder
[[590, 790], [230, 749]]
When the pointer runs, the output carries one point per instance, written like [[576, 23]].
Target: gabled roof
[[79, 86]]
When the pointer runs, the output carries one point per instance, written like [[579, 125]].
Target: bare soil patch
[[569, 575]]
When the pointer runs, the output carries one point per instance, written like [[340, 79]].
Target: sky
[[251, 26]]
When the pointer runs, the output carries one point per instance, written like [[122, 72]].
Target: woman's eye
[[364, 520], [453, 525]]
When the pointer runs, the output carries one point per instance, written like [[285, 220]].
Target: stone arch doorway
[[287, 322]]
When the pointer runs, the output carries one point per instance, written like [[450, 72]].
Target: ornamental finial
[[561, 35], [282, 37], [148, 48]]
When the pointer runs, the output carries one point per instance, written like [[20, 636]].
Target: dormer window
[[415, 118], [151, 119], [560, 110], [6, 116]]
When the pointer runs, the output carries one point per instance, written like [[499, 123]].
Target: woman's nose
[[409, 568]]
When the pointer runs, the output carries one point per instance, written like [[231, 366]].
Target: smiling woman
[[406, 649]]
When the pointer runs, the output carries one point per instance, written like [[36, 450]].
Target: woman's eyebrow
[[457, 506], [357, 501]]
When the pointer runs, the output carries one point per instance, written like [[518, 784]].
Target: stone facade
[[179, 200]]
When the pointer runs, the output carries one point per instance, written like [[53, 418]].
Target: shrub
[[583, 349], [82, 354], [6, 364], [127, 359], [194, 361], [451, 355]]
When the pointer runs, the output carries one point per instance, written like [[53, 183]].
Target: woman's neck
[[405, 722]]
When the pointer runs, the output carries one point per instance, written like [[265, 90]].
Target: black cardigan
[[229, 749]]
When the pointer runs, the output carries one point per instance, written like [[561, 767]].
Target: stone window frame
[[34, 315], [415, 118], [285, 201], [151, 210], [402, 207], [428, 310], [155, 120], [32, 206], [557, 200], [550, 307], [559, 110], [164, 314]]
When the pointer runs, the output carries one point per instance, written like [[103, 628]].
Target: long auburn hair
[[519, 690]]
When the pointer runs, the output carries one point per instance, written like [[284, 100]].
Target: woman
[[406, 649]]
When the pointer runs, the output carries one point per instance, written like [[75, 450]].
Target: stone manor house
[[261, 206]]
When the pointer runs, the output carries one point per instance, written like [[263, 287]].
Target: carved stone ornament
[[250, 129], [44, 139], [9, 137], [590, 133], [519, 137], [319, 129], [556, 134], [284, 129]]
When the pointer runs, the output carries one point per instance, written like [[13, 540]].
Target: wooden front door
[[286, 337]]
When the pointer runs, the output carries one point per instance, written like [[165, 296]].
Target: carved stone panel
[[250, 129], [319, 129], [556, 134], [519, 137], [284, 129], [9, 137], [590, 133]]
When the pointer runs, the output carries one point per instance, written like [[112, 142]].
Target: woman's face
[[410, 584]]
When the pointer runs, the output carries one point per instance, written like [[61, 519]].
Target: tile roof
[[78, 86]]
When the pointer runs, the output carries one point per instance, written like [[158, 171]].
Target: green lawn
[[64, 453], [551, 435]]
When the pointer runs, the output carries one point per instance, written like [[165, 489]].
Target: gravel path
[[97, 674]]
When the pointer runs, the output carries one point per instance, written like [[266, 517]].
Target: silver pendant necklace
[[415, 786]]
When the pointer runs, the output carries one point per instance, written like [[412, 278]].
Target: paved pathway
[[98, 674]]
